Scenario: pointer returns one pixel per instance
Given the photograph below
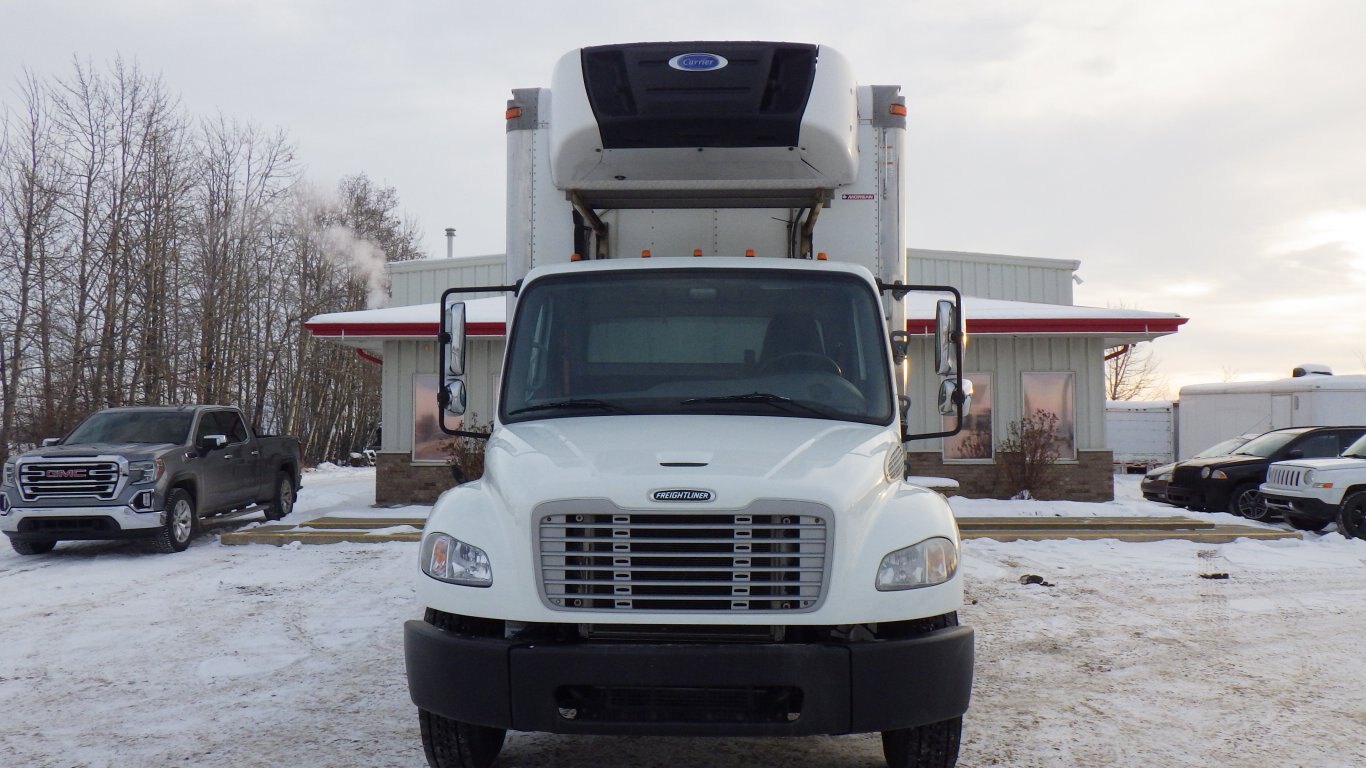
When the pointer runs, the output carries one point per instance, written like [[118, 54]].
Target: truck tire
[[453, 744], [32, 547], [1246, 501], [282, 500], [1352, 516], [181, 523], [926, 746]]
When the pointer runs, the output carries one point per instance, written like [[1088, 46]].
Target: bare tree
[[1131, 373]]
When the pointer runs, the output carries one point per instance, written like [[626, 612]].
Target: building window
[[975, 442], [429, 442], [1054, 393]]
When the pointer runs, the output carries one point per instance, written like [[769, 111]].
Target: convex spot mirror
[[455, 348], [949, 396], [453, 398], [947, 336]]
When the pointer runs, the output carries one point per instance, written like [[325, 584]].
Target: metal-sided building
[[1031, 349]]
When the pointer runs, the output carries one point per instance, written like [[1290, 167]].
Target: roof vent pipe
[[450, 242], [1311, 369]]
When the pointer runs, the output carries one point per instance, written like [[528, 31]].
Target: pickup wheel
[[926, 746], [1246, 501], [282, 501], [181, 522], [32, 547], [1352, 516], [453, 744]]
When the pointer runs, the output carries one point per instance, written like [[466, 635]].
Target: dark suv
[[1230, 482]]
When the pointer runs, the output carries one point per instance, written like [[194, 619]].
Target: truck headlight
[[8, 478], [932, 561], [446, 558], [1217, 474], [1309, 478], [140, 472]]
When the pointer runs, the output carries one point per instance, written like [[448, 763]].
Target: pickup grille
[[1284, 477], [771, 556], [69, 479]]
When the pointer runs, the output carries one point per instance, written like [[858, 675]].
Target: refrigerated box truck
[[694, 517]]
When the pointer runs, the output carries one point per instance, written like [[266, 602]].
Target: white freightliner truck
[[694, 517]]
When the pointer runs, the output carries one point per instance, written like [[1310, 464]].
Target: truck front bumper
[[736, 689], [79, 523]]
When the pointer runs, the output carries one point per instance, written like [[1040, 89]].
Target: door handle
[[255, 453]]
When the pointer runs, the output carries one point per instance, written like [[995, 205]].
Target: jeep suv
[[1230, 482]]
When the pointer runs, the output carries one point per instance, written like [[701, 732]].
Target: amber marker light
[[513, 113], [821, 256], [575, 257], [749, 253], [896, 109], [645, 254], [697, 252]]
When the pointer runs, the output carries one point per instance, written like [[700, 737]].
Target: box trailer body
[[694, 517], [1141, 435], [1213, 412]]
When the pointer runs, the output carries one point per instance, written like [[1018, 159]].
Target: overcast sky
[[1205, 158]]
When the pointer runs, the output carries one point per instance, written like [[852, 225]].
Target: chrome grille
[[69, 479], [1283, 477], [770, 556]]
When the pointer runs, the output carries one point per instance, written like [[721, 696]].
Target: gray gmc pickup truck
[[151, 472]]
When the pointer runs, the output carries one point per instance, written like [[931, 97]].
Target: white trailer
[[1209, 413], [1140, 434], [694, 517]]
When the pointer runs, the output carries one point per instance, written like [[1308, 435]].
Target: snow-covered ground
[[265, 656]]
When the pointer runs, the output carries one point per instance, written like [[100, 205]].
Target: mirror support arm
[[443, 338]]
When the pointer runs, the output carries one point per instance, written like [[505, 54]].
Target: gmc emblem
[[65, 474], [682, 495]]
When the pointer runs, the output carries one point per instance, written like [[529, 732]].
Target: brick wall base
[[399, 481], [1090, 478]]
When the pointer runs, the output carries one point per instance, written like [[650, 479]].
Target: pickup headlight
[[8, 478], [932, 561], [140, 472], [446, 558]]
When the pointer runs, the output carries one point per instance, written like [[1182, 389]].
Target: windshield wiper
[[579, 404], [766, 398]]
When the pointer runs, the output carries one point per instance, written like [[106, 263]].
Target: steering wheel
[[800, 361]]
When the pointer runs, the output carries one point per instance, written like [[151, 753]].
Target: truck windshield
[[132, 427], [721, 341]]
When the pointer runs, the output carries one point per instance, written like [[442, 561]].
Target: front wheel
[[453, 744], [174, 535], [926, 746], [1246, 501], [282, 502], [1352, 516]]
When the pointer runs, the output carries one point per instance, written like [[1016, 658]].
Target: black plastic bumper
[[1310, 509], [690, 689], [77, 528]]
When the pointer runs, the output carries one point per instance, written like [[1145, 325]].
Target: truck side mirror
[[453, 338], [48, 442], [212, 442], [948, 337]]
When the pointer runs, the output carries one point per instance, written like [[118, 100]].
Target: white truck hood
[[737, 458], [1324, 465]]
